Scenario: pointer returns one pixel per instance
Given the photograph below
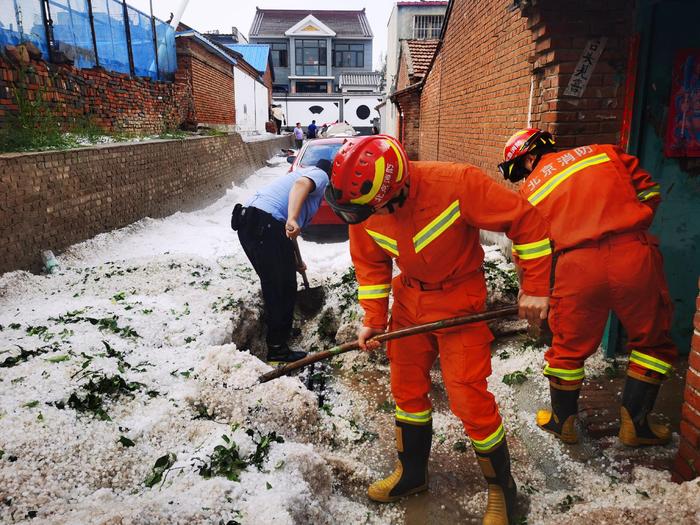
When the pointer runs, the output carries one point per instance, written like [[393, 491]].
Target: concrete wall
[[51, 200], [252, 105]]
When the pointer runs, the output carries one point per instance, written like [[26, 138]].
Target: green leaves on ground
[[162, 464], [110, 324], [126, 442], [91, 398], [25, 355], [517, 378], [227, 461]]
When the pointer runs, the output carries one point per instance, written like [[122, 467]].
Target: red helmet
[[520, 144], [367, 173]]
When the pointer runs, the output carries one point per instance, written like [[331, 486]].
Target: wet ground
[[457, 489]]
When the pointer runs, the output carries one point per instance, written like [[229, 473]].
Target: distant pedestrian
[[298, 136], [311, 130]]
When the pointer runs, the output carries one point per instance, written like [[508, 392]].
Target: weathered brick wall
[[211, 81], [402, 80], [408, 103], [478, 91], [114, 101], [687, 463], [51, 200]]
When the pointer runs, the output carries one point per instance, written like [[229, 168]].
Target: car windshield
[[316, 152]]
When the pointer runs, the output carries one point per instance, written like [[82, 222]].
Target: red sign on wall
[[683, 128]]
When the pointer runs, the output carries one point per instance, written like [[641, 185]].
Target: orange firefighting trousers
[[465, 357], [622, 273]]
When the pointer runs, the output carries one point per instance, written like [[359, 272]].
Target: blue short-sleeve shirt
[[274, 198]]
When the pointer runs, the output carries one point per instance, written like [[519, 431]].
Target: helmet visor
[[348, 212]]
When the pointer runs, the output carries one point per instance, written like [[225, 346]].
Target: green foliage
[[126, 442], [460, 446], [25, 355], [517, 378], [568, 502], [161, 465], [226, 460], [91, 398], [34, 125], [497, 279]]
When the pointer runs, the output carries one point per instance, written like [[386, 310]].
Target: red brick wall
[[50, 200], [477, 93], [211, 81], [267, 80], [408, 103], [402, 80], [687, 463], [114, 101]]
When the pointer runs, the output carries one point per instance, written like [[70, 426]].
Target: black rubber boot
[[495, 465], [638, 400], [411, 473], [560, 420], [277, 354]]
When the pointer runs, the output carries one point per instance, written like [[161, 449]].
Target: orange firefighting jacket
[[434, 236], [591, 191]]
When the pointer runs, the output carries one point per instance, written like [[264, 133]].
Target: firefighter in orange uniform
[[599, 203], [426, 216]]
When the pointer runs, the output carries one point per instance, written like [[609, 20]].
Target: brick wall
[[210, 78], [687, 463], [478, 91], [51, 200], [408, 103], [402, 80], [114, 101]]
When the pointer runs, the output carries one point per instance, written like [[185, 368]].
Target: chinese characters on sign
[[584, 69], [683, 128]]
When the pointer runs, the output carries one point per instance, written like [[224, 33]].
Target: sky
[[206, 15]]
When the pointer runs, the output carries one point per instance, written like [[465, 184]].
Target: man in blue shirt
[[311, 130], [271, 218]]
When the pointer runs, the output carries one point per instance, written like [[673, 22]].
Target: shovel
[[488, 315], [310, 300]]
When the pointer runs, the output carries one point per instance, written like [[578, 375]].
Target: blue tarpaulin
[[24, 21]]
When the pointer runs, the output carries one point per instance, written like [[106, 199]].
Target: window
[[311, 87], [311, 56], [280, 54], [426, 27], [349, 55]]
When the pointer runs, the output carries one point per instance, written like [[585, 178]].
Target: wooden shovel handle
[[300, 262], [489, 315]]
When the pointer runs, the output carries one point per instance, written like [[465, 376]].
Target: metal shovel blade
[[310, 300]]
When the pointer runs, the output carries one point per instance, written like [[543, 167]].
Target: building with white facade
[[322, 62]]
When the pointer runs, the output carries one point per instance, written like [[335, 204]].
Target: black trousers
[[272, 256]]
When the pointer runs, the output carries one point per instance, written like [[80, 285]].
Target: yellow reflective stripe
[[399, 175], [436, 226], [494, 439], [649, 362], [561, 373], [647, 194], [376, 183], [414, 417], [385, 242], [373, 291], [533, 250], [555, 181]]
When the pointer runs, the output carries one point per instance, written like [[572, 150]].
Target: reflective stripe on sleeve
[[494, 439], [533, 250], [650, 363], [555, 181], [567, 375], [385, 242], [419, 418], [438, 225], [373, 291], [647, 194]]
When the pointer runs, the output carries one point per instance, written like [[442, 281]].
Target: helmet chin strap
[[399, 199]]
